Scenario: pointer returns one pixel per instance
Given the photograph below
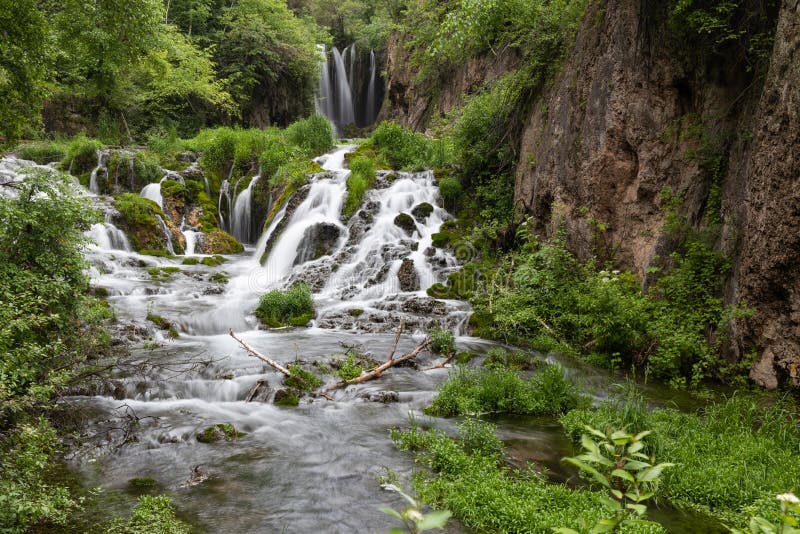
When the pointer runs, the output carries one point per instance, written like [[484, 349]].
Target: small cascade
[[94, 187], [241, 224], [261, 246], [190, 235], [167, 234], [224, 192], [153, 192], [109, 237]]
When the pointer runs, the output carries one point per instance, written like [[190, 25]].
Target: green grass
[[494, 390], [302, 379], [349, 369], [291, 307], [467, 477], [732, 458], [42, 152], [362, 177]]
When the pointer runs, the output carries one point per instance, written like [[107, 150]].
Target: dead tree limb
[[253, 352], [444, 362], [254, 390], [377, 371]]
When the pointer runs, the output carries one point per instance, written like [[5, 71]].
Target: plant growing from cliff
[[615, 460]]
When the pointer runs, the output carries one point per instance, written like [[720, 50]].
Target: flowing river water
[[306, 469]]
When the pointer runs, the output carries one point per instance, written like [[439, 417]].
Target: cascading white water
[[323, 205], [94, 187], [352, 67], [242, 209], [109, 237], [153, 192], [167, 234], [344, 94]]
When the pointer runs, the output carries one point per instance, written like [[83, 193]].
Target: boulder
[[409, 279], [422, 211], [406, 223], [318, 240]]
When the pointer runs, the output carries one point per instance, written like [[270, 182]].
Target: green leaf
[[589, 469], [621, 473], [640, 509], [391, 512], [434, 520]]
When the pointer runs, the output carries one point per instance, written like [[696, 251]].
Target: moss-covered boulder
[[219, 432], [138, 218], [220, 242], [422, 211], [129, 172], [406, 222]]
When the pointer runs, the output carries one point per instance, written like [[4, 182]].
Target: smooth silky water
[[306, 469]]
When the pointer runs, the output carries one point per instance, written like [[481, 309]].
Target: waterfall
[[109, 237], [224, 191], [347, 93], [240, 218], [344, 94], [351, 71], [94, 187], [167, 234], [372, 109], [153, 192]]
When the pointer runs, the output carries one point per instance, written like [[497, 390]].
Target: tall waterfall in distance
[[348, 94]]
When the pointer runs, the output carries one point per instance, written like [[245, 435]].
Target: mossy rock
[[287, 397], [406, 223], [162, 273], [213, 261], [219, 278], [138, 221], [422, 211], [161, 322], [219, 432], [221, 242], [442, 239], [190, 261], [142, 483], [301, 379], [482, 324], [355, 312]]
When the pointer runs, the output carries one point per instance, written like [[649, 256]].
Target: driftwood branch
[[269, 361], [440, 365], [377, 371]]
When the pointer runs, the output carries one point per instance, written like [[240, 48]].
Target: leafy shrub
[[152, 514], [467, 477], [81, 155], [732, 456], [492, 390], [350, 369], [291, 307], [362, 177], [442, 341], [302, 379], [314, 135], [404, 149]]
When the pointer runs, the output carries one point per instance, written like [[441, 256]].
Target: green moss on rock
[[138, 220], [221, 242], [219, 432]]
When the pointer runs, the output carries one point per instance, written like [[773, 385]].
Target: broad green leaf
[[434, 520], [391, 512], [621, 473]]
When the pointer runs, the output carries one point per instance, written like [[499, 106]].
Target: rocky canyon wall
[[633, 113]]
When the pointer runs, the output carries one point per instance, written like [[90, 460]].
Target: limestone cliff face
[[766, 218], [632, 113], [414, 104], [621, 123]]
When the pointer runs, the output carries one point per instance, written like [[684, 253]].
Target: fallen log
[[272, 363], [377, 371]]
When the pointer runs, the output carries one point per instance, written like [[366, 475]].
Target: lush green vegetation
[[362, 177], [732, 458], [152, 514], [290, 307], [497, 390], [546, 297], [50, 328], [467, 477], [155, 67]]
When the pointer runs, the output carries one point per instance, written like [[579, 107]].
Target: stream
[[315, 467]]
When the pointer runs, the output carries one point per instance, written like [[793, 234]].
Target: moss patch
[[219, 432]]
